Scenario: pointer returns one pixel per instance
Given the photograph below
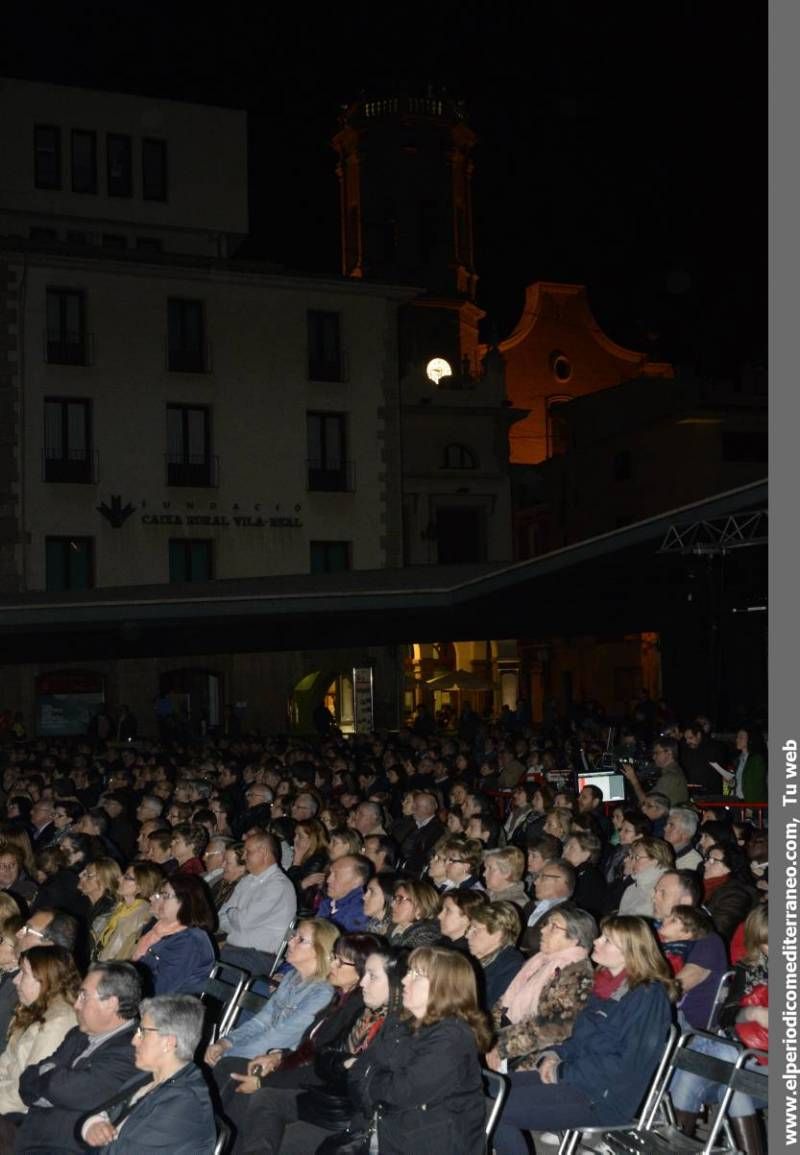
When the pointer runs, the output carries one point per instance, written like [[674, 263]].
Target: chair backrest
[[706, 1066], [720, 998], [220, 993], [248, 1000], [282, 948], [497, 1091], [223, 1136]]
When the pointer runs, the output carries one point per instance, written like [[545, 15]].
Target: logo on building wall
[[116, 514]]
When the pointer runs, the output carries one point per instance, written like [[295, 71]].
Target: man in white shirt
[[262, 906]]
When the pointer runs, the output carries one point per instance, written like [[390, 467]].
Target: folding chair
[[663, 1138], [647, 1112], [221, 990], [249, 1000], [720, 998], [223, 1136], [282, 948], [496, 1087]]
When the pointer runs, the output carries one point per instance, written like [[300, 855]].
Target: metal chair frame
[[647, 1112], [282, 948], [494, 1104], [227, 994], [721, 994], [248, 1000]]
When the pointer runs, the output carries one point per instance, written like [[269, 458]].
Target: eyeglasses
[[638, 857], [342, 962], [455, 861], [137, 1034], [302, 938], [31, 930], [129, 878], [83, 995], [414, 974], [401, 898], [164, 894], [708, 858], [552, 876]]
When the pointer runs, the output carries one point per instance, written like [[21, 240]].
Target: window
[[69, 563], [460, 534], [748, 445], [190, 560], [459, 457], [38, 233], [84, 161], [186, 336], [114, 241], [154, 170], [622, 465], [66, 327], [557, 425], [149, 245], [67, 439], [327, 467], [47, 156], [119, 169], [330, 556], [77, 237], [188, 445], [324, 346]]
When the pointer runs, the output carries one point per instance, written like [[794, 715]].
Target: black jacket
[[75, 1092], [426, 1086], [419, 843]]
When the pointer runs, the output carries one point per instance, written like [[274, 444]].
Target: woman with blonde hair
[[289, 1012], [309, 860], [415, 906], [129, 917], [99, 882], [558, 822], [599, 1076], [424, 1067], [47, 984]]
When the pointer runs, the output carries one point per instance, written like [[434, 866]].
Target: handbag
[[361, 1141]]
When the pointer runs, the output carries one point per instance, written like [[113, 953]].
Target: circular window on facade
[[437, 369], [561, 366]]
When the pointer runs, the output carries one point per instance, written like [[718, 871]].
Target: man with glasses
[[555, 883], [94, 1061], [49, 928]]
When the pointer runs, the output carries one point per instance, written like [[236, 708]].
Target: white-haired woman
[[172, 1111]]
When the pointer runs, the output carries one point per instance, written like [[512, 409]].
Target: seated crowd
[[409, 916]]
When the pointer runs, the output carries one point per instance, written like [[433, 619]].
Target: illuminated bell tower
[[405, 174]]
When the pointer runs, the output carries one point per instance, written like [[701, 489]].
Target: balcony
[[325, 477], [76, 469], [66, 348], [180, 360], [193, 471], [336, 371]]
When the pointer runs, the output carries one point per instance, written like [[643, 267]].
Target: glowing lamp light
[[438, 368]]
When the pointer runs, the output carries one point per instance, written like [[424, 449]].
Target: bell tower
[[405, 173]]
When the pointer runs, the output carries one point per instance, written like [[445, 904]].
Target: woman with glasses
[[178, 951], [541, 1003], [172, 1111], [415, 906], [289, 1012], [492, 932], [726, 895], [599, 1075], [463, 864], [234, 868], [249, 1093], [297, 1122], [419, 1084], [99, 882], [132, 913], [47, 985], [649, 858]]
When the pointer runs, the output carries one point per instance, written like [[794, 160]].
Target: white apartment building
[[172, 414]]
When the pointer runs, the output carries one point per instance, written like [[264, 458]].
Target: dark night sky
[[621, 145]]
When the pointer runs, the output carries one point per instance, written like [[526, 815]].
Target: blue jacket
[[175, 1117], [614, 1050], [284, 1018], [349, 915], [180, 963]]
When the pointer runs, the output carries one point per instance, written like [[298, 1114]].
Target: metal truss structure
[[712, 538]]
